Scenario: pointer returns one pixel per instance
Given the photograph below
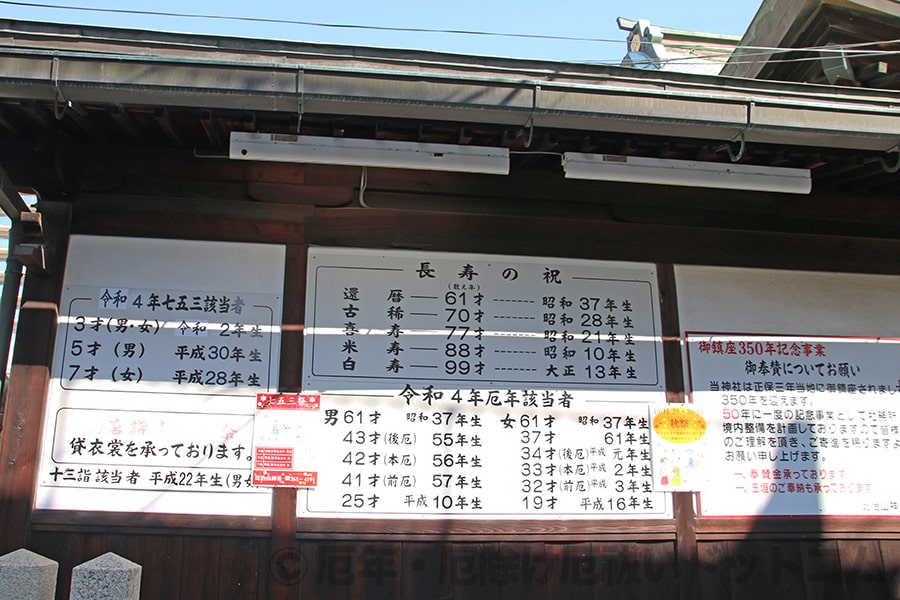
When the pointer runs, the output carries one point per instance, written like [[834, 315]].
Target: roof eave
[[437, 87]]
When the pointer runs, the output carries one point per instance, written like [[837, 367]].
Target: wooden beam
[[607, 241], [465, 136], [311, 195], [214, 133], [285, 559], [10, 200], [20, 438], [164, 120], [871, 70], [6, 123], [115, 206], [80, 117], [37, 113], [685, 520], [124, 120]]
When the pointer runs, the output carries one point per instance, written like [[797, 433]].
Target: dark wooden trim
[[427, 570], [473, 529], [169, 226], [100, 206], [671, 333], [574, 238], [157, 523], [42, 290], [20, 451], [284, 542], [581, 234], [293, 315], [683, 502], [797, 527], [23, 419]]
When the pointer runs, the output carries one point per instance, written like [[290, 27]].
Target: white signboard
[[514, 457], [161, 349], [391, 321], [474, 386], [803, 425], [799, 377]]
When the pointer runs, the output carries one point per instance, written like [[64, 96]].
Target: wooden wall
[[230, 564], [279, 557]]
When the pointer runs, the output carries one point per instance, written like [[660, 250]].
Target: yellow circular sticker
[[679, 425]]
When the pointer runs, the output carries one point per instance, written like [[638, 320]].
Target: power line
[[769, 55], [740, 54], [150, 13]]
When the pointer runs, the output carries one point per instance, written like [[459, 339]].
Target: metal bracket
[[299, 98], [894, 167], [59, 101], [363, 183], [528, 127], [741, 137], [731, 154]]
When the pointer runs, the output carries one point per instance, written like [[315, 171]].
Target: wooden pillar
[[20, 439], [685, 519], [287, 566]]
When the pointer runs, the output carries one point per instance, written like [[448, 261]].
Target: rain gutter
[[426, 86]]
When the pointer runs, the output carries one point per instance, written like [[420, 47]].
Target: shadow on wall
[[788, 556], [781, 557]]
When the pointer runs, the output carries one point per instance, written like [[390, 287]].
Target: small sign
[[287, 401], [679, 449], [278, 449], [284, 478], [679, 425]]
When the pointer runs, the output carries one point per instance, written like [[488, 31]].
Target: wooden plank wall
[[236, 567], [231, 565], [283, 558]]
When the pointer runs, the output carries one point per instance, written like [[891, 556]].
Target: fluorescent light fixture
[[637, 169], [368, 153]]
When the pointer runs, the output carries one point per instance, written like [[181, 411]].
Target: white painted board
[[549, 358], [518, 458], [161, 349], [799, 374], [385, 321]]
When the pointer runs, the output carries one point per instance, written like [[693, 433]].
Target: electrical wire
[[765, 58], [148, 13], [739, 55]]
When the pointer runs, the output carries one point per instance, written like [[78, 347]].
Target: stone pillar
[[107, 577], [25, 575]]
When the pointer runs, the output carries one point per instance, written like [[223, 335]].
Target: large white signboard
[[474, 386], [804, 425], [391, 320], [517, 457], [161, 349], [799, 376]]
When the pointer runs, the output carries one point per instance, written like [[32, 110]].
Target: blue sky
[[594, 19]]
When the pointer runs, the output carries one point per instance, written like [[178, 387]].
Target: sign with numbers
[[391, 320], [798, 374], [475, 386], [519, 458], [161, 350], [803, 425]]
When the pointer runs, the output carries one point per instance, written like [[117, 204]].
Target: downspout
[[9, 302], [14, 206]]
